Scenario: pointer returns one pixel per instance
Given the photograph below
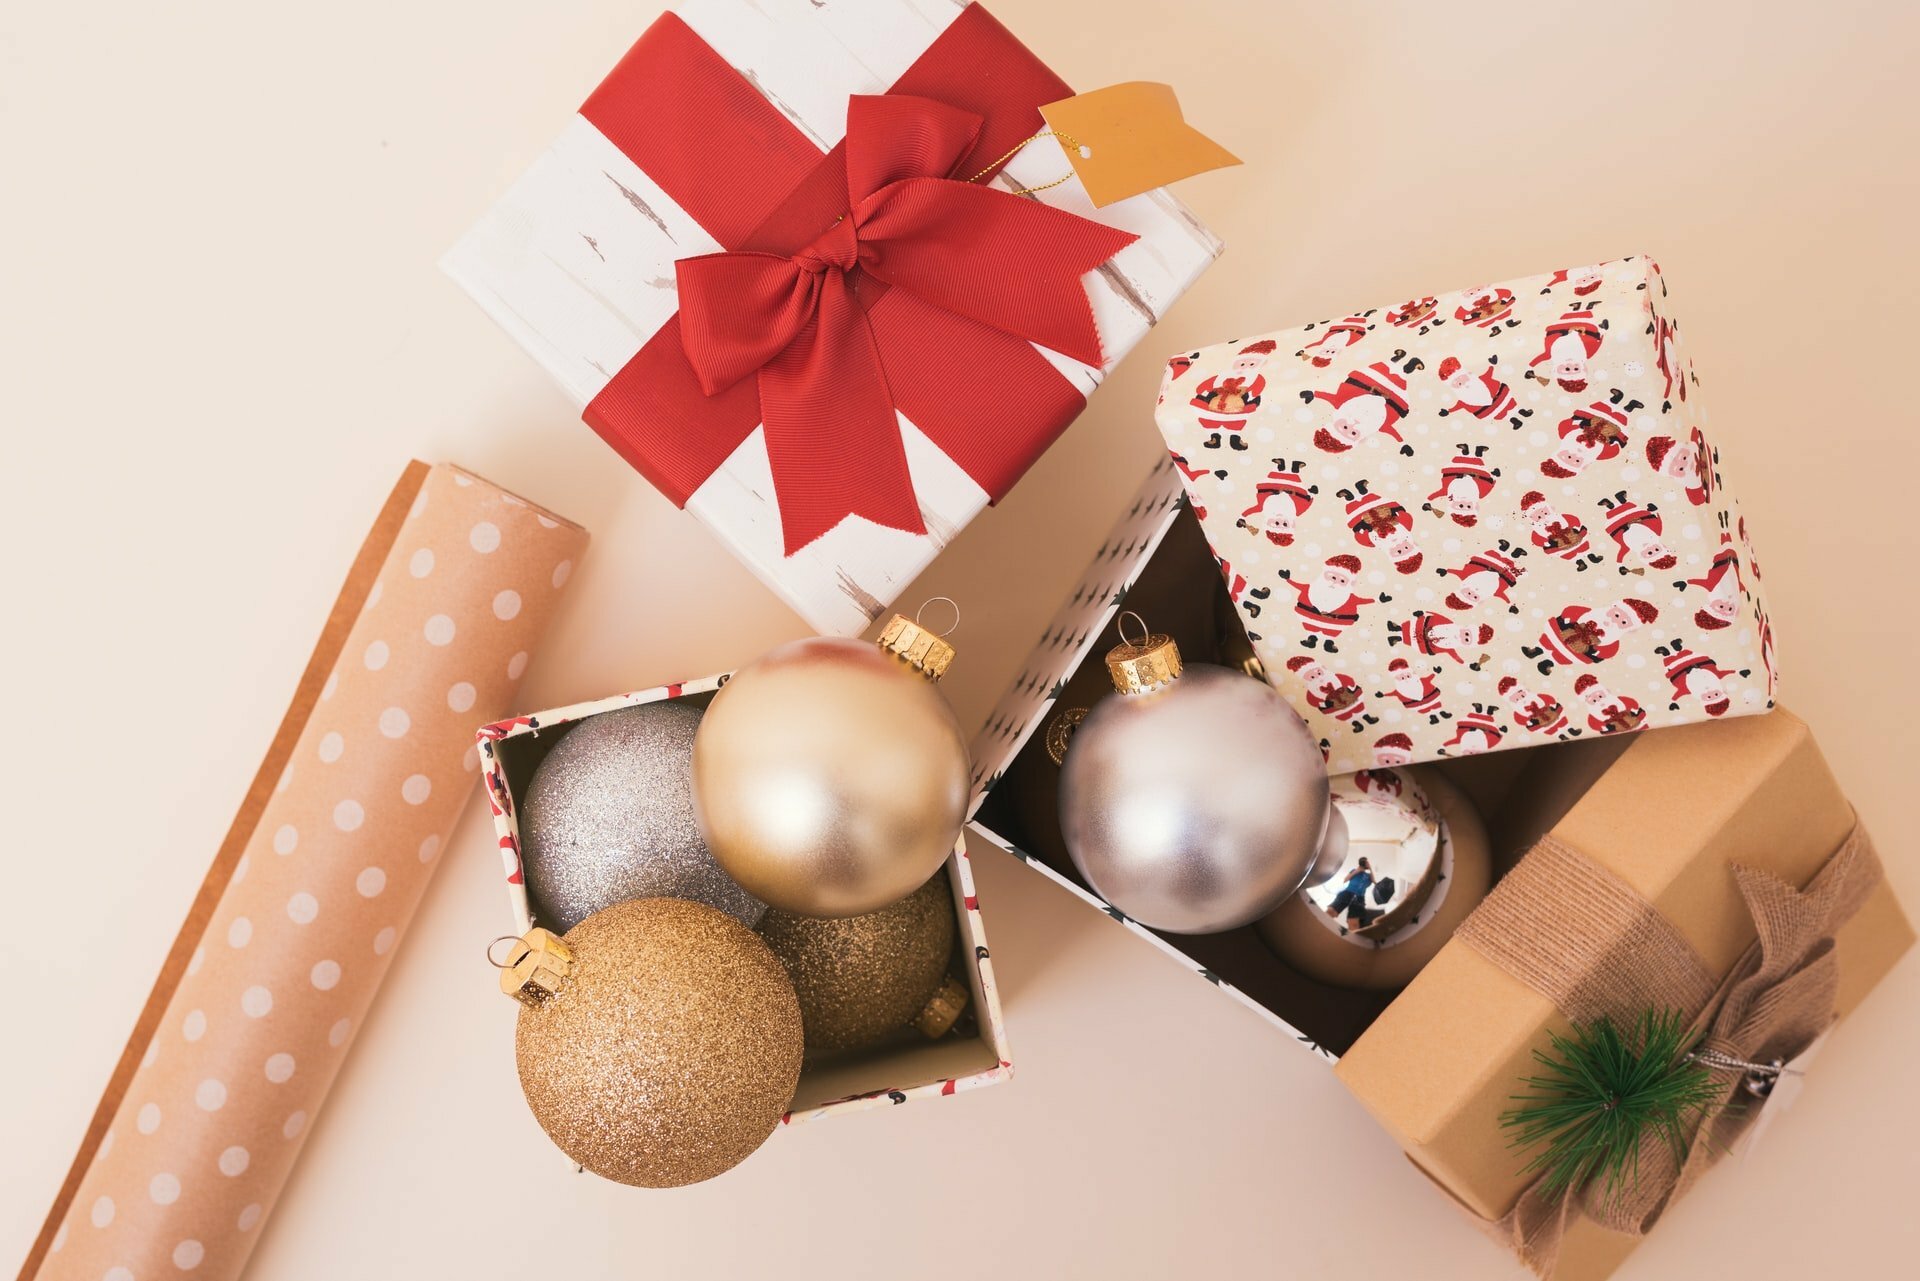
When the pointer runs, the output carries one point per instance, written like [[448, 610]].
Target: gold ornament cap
[[924, 651], [943, 1009], [1138, 667], [536, 967]]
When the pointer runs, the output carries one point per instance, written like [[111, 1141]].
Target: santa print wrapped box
[[835, 458], [1487, 520], [972, 1055], [1667, 812]]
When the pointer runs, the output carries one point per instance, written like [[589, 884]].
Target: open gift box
[[1667, 812], [973, 1054]]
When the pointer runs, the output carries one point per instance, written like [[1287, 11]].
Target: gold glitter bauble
[[861, 979], [671, 1048], [830, 778]]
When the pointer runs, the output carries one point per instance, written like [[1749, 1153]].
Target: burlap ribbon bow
[[1574, 932]]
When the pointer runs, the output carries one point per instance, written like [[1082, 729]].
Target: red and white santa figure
[[1189, 476], [1416, 311], [1766, 652], [1489, 575], [1379, 521], [1241, 593], [1594, 434], [1369, 400], [1753, 561], [1279, 502], [1464, 482], [1578, 634], [1417, 690], [1571, 342], [1226, 402], [1689, 465], [1171, 375], [1556, 532], [1482, 395], [1392, 750], [1583, 279], [1636, 530], [1334, 339], [1608, 712], [1537, 713], [1379, 786], [1475, 733], [1436, 634], [1486, 307], [1332, 693], [1697, 677], [1327, 603], [1667, 361]]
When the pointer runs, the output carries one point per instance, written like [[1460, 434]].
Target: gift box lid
[[1483, 520], [720, 131], [1668, 813]]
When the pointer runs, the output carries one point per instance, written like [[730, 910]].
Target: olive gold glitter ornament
[[659, 1040], [609, 817], [829, 776], [861, 979]]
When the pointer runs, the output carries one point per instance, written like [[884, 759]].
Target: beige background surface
[[221, 333]]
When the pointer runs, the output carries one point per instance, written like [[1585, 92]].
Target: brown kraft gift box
[[1668, 812]]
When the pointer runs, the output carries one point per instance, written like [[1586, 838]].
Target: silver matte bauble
[[609, 817], [1195, 806]]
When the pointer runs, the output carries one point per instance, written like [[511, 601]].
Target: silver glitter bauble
[[1197, 801], [609, 817]]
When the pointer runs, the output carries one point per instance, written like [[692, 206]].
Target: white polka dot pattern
[[258, 1024]]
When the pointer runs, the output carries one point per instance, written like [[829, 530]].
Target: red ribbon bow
[[935, 243]]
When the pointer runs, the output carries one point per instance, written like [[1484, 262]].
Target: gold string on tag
[[1074, 143]]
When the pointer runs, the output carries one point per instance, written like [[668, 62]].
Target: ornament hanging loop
[[537, 966], [491, 947], [1142, 666], [951, 603], [922, 650]]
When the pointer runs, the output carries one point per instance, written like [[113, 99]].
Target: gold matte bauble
[[830, 777], [667, 1048], [861, 979]]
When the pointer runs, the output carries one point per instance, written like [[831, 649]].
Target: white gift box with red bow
[[731, 108]]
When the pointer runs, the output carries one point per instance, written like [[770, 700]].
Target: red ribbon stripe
[[814, 318]]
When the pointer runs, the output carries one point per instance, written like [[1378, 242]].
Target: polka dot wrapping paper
[[287, 943], [1489, 519]]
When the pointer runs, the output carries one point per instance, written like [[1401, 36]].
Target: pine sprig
[[1601, 1092]]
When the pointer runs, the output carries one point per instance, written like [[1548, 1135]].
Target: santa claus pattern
[[1479, 520]]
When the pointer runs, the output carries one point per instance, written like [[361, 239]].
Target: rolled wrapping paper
[[293, 930]]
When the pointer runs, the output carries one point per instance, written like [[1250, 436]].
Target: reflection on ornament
[[862, 979], [830, 777], [609, 817], [659, 1040], [1413, 863], [1193, 798]]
